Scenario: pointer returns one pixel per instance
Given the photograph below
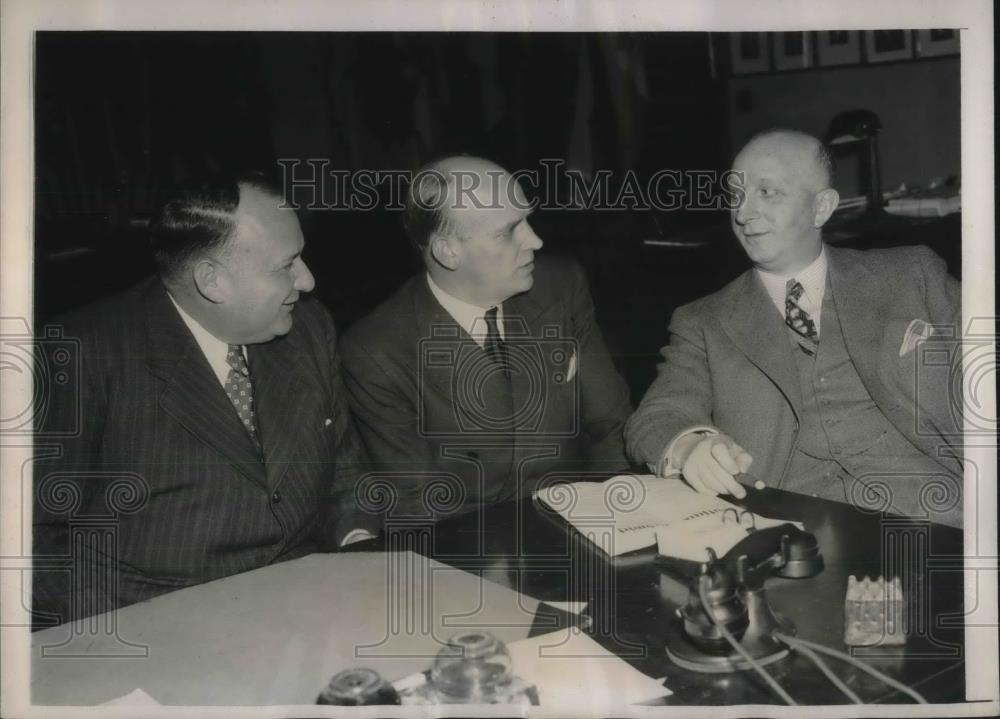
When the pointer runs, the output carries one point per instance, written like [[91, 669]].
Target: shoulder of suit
[[721, 300], [311, 312], [889, 260], [556, 267], [312, 322], [392, 320], [111, 317], [556, 278]]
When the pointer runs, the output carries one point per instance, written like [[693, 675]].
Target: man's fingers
[[744, 460], [695, 476], [741, 457], [710, 467], [724, 483], [724, 455]]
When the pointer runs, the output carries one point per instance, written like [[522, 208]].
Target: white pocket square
[[916, 332], [571, 371]]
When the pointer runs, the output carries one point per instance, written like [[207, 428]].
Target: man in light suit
[[212, 433], [487, 372], [814, 371]]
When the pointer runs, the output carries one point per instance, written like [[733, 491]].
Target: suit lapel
[[755, 326], [283, 407], [437, 330], [191, 392]]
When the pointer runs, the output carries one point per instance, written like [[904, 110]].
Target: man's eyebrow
[[514, 223], [289, 258], [510, 225]]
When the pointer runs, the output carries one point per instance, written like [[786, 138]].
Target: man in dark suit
[[487, 372], [817, 367], [212, 434]]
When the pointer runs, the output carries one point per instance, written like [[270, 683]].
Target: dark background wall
[[917, 101], [121, 116]]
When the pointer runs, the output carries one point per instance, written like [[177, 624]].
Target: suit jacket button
[[276, 497]]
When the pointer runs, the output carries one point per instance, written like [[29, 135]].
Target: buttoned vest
[[843, 435]]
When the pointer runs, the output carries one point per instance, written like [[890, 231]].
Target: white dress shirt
[[470, 318], [813, 281]]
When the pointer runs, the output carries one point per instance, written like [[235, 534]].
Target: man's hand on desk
[[709, 463]]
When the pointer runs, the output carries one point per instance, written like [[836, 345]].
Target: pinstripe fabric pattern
[[151, 406]]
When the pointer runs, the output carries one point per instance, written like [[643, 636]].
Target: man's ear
[[825, 203], [444, 252], [208, 281]]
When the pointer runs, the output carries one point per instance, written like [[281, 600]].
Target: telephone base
[[684, 654]]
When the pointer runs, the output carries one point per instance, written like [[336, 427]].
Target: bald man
[[819, 370], [486, 372]]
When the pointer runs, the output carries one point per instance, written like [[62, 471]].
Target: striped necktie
[[796, 317]]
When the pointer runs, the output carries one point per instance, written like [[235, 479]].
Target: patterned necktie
[[494, 345], [240, 391], [796, 317]]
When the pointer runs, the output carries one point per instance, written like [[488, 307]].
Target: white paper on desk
[[568, 607], [692, 544], [277, 634], [577, 676], [623, 514], [135, 698]]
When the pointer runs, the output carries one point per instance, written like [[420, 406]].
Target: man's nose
[[304, 280], [531, 241], [745, 211]]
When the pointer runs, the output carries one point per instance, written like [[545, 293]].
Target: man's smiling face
[[779, 217]]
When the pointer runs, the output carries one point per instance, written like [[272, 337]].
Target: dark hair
[[199, 217], [426, 201]]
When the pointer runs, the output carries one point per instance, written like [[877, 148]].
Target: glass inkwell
[[474, 667], [358, 687]]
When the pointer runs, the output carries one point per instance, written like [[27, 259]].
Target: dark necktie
[[494, 345], [796, 317], [240, 391]]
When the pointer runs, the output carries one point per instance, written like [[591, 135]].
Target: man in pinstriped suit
[[213, 432]]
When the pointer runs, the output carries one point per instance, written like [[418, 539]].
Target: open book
[[630, 512]]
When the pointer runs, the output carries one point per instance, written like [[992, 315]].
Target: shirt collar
[[469, 317], [214, 349], [812, 279]]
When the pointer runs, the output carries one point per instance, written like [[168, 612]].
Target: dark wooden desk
[[632, 600]]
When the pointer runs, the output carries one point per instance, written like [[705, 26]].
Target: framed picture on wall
[[838, 47], [749, 52], [931, 43], [792, 50], [888, 45]]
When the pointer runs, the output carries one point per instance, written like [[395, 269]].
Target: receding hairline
[[448, 170], [451, 167], [821, 160]]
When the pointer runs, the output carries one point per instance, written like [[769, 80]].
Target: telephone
[[733, 591]]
